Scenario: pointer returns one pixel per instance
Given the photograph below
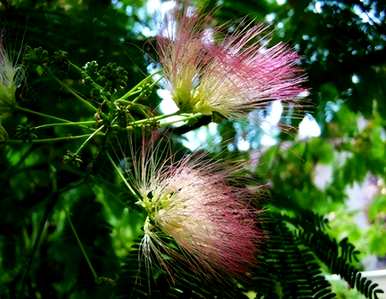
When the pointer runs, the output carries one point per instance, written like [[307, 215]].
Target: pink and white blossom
[[231, 75], [212, 222]]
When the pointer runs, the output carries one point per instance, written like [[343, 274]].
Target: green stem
[[87, 122], [136, 89], [77, 96], [118, 170], [149, 87], [151, 119], [50, 139], [42, 114], [88, 139], [82, 248]]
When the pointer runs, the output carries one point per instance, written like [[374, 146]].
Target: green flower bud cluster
[[111, 77]]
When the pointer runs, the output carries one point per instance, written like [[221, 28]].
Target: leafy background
[[339, 174]]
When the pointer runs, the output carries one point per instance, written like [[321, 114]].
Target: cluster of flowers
[[212, 222], [191, 201]]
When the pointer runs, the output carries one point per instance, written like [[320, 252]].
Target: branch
[[203, 121]]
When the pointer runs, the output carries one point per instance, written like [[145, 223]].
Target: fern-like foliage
[[287, 269], [337, 256]]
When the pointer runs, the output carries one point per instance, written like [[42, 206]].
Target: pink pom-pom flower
[[212, 222], [232, 75]]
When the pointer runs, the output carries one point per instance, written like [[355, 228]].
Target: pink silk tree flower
[[212, 223], [10, 77], [230, 76]]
